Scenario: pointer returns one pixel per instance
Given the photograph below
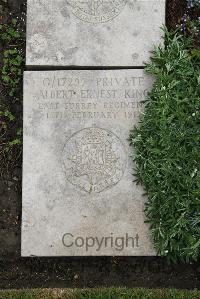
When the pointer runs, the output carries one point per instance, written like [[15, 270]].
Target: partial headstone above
[[92, 33], [79, 194]]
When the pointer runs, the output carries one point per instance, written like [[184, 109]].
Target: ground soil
[[17, 272]]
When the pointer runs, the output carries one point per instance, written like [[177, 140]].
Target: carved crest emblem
[[94, 159], [96, 11]]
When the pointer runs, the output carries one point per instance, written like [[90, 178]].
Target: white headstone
[[92, 33], [79, 194]]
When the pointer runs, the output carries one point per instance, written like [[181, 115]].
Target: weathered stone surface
[[79, 197], [92, 33]]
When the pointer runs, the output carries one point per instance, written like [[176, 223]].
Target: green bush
[[11, 72], [12, 42], [166, 149]]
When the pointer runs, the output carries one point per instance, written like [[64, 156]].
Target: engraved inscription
[[96, 11], [102, 98], [94, 159]]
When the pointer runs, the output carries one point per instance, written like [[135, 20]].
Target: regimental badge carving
[[94, 160], [96, 11]]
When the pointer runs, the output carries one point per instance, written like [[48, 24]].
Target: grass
[[110, 293], [166, 149]]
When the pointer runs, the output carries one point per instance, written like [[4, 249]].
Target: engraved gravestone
[[79, 194], [92, 32]]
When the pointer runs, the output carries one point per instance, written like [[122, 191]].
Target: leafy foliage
[[167, 150], [12, 40], [8, 32], [11, 71]]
